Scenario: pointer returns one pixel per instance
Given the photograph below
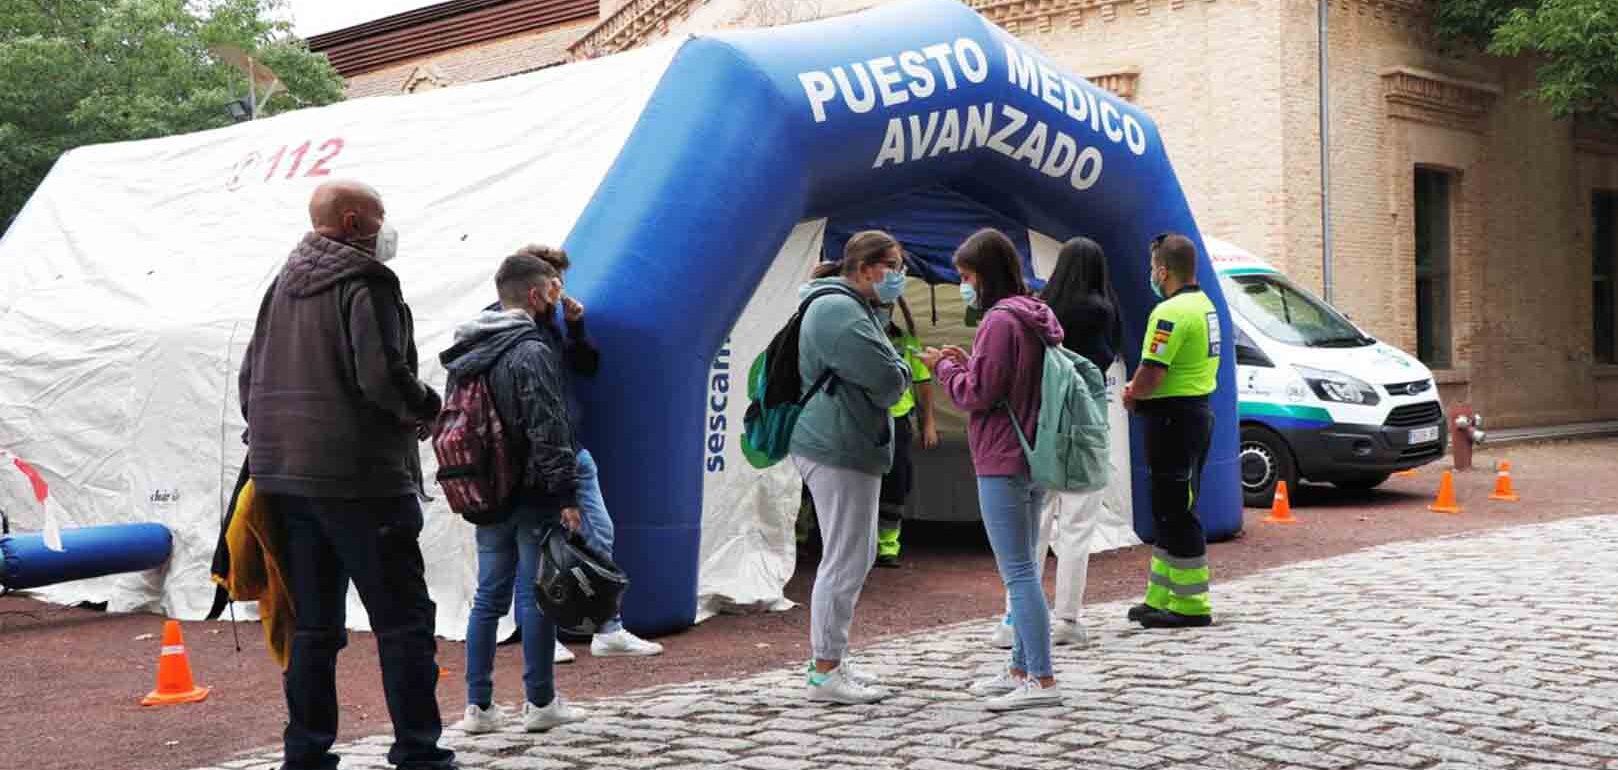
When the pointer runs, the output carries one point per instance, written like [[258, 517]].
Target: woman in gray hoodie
[[843, 444]]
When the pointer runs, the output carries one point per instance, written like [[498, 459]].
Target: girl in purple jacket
[[998, 381]]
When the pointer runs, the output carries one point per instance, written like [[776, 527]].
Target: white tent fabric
[[748, 547], [134, 273]]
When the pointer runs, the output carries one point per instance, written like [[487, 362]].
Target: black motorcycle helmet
[[577, 588]]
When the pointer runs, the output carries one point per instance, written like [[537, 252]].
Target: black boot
[[1138, 611], [1166, 619]]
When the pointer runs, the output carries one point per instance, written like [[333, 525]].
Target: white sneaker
[[563, 654], [621, 643], [554, 714], [1004, 634], [479, 721], [999, 684], [1065, 632], [1028, 695], [856, 674], [836, 686]]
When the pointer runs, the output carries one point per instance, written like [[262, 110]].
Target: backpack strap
[[1006, 402], [823, 381], [828, 379]]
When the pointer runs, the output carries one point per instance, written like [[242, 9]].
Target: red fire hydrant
[[1465, 430]]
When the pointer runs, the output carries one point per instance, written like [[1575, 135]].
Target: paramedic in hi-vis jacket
[[1178, 369]]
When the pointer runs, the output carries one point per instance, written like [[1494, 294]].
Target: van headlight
[[1338, 387]]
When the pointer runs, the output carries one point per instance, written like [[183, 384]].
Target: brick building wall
[[1520, 251], [1221, 124]]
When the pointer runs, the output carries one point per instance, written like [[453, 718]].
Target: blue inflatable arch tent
[[750, 133]]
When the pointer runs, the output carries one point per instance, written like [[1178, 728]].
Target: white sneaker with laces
[[999, 684], [1004, 634], [1066, 632], [479, 720], [554, 714], [1028, 695], [621, 643], [563, 654], [855, 673], [836, 686]]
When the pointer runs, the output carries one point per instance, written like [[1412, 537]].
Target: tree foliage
[[1574, 41], [77, 72]]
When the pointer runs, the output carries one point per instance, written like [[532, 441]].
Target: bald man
[[334, 409]]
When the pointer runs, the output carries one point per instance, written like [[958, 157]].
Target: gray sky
[[312, 17]]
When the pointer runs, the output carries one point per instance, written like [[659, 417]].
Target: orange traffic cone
[[1502, 484], [174, 684], [1281, 509], [1446, 496]]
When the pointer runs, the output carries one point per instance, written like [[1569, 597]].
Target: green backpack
[[774, 389], [1070, 450]]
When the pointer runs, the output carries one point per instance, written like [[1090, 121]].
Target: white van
[[1318, 398]]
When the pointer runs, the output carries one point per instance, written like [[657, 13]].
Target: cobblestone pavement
[[1489, 651]]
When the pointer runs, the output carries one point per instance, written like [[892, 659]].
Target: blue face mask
[[969, 295], [1157, 288], [890, 287]]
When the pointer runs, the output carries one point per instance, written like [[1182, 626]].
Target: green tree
[[1575, 41], [77, 72]]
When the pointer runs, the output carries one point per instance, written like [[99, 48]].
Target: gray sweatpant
[[845, 506]]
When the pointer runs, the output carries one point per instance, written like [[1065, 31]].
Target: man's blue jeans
[[508, 563], [1011, 509], [598, 531]]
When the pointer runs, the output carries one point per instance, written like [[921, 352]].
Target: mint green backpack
[[1070, 452]]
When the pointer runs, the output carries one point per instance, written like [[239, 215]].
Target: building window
[[1604, 276], [1433, 203]]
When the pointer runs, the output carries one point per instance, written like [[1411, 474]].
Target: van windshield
[[1288, 314]]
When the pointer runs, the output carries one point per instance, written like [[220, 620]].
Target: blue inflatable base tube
[[88, 552]]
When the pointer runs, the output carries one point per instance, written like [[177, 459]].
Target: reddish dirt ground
[[72, 678]]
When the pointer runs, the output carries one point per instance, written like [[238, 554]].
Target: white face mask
[[387, 243]]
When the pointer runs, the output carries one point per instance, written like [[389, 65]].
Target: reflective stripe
[[1179, 589], [175, 649], [1182, 577], [1180, 562], [1190, 605]]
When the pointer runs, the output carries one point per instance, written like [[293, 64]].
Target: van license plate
[[1425, 435]]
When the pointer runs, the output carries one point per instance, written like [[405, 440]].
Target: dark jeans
[[373, 542], [896, 485], [1178, 431]]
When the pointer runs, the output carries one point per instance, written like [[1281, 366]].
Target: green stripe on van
[[1256, 409], [1249, 271]]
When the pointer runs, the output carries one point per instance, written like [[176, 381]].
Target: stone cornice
[[1428, 97], [631, 26], [424, 77], [1121, 83], [638, 20]]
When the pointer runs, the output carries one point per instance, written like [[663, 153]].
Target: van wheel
[[1264, 459], [1361, 483]]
